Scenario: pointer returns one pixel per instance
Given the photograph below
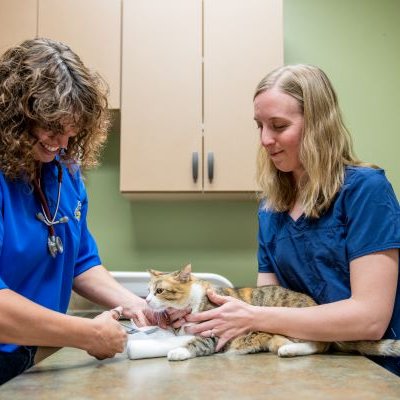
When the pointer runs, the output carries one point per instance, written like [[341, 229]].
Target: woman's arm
[[364, 316], [267, 278], [24, 322], [98, 285]]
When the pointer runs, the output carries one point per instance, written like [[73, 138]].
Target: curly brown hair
[[44, 83]]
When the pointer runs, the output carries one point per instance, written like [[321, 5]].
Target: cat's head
[[171, 289]]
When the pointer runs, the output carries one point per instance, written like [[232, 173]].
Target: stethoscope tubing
[[45, 216]]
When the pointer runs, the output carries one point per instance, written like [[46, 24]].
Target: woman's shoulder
[[263, 207], [361, 175], [363, 183], [7, 184], [267, 215], [72, 171]]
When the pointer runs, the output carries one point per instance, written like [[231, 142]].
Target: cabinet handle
[[210, 165], [195, 166]]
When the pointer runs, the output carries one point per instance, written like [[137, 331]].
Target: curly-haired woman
[[329, 224], [53, 122]]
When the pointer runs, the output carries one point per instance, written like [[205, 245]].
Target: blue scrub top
[[26, 265], [313, 256]]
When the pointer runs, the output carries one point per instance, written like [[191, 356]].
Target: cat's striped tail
[[385, 347]]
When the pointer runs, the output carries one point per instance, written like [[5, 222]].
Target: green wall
[[357, 42]]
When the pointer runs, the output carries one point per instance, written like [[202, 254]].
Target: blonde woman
[[53, 122], [329, 224]]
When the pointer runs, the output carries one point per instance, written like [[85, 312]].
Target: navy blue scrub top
[[313, 256], [26, 265]]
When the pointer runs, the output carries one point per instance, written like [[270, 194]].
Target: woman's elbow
[[375, 330], [371, 320]]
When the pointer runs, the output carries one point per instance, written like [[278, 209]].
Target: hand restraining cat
[[181, 289]]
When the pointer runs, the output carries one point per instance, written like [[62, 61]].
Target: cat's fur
[[181, 289]]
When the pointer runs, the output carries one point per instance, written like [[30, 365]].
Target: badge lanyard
[[54, 242]]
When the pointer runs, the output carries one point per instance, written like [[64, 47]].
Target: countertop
[[72, 374]]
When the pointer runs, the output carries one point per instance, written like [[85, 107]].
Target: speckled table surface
[[72, 374]]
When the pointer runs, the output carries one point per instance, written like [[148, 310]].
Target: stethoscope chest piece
[[54, 242], [55, 245]]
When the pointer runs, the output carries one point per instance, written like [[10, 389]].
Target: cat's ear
[[187, 268], [154, 272], [185, 275]]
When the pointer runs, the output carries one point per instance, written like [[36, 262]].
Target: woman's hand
[[233, 318], [171, 317], [110, 338], [138, 311], [177, 318], [142, 315]]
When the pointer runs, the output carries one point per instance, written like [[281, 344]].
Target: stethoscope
[[54, 242]]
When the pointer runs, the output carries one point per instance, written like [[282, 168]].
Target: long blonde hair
[[43, 83], [326, 147]]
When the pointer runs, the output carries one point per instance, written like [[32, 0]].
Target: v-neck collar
[[299, 223]]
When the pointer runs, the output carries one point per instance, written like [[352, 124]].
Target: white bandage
[[149, 347]]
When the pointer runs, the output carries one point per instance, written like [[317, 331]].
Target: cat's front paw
[[287, 351], [179, 354], [298, 349]]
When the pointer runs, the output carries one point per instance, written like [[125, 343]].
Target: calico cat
[[181, 289]]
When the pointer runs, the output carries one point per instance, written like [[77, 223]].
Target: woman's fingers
[[140, 319], [175, 314], [111, 337], [221, 343], [204, 329], [116, 312], [215, 312], [202, 316], [216, 298]]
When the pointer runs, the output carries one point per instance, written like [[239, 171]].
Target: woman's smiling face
[[281, 123], [50, 143]]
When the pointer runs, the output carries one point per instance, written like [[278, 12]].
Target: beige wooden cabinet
[[17, 22], [92, 28], [161, 99], [189, 71]]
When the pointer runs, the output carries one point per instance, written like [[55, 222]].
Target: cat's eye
[[159, 291]]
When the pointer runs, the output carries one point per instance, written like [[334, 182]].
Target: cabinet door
[[161, 108], [243, 41], [17, 22], [92, 28]]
